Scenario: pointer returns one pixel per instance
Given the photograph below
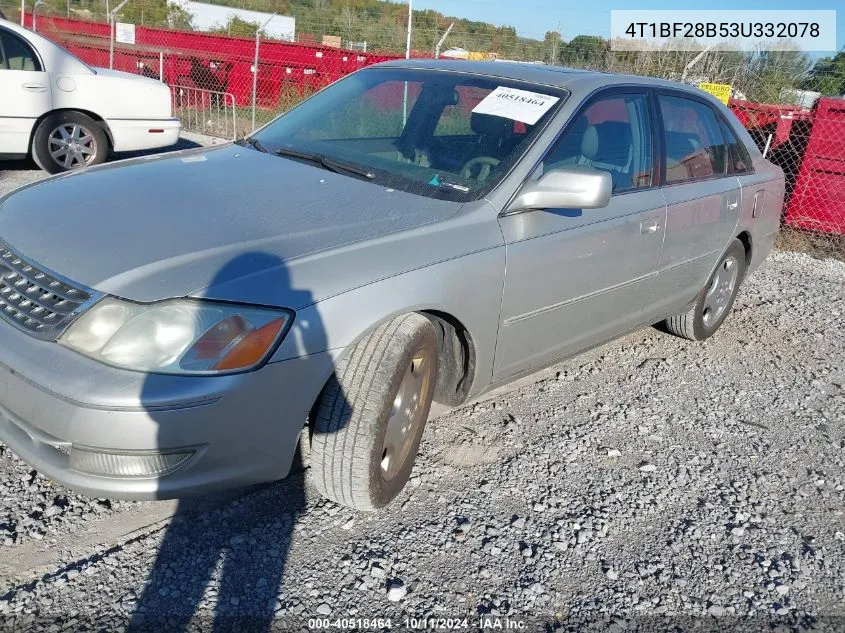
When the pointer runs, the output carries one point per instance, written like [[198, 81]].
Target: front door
[[25, 90], [578, 277]]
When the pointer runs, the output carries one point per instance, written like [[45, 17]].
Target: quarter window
[[612, 134], [15, 54], [738, 159], [695, 148]]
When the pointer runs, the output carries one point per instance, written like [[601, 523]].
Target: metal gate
[[205, 111]]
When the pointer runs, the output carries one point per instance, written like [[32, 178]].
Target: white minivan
[[66, 114]]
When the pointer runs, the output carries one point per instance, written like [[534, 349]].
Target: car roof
[[572, 79]]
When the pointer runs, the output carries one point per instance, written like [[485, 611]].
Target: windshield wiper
[[330, 164], [252, 142]]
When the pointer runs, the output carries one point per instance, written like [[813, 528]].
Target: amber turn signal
[[252, 347]]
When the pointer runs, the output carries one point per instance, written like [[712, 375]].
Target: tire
[[714, 302], [86, 136], [357, 458]]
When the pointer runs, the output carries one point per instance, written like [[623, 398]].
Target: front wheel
[[69, 140], [370, 417], [714, 302]]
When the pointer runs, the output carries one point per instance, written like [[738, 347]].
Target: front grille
[[33, 300]]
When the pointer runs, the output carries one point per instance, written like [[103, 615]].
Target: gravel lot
[[651, 484]]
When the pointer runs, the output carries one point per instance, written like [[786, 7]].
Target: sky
[[532, 18]]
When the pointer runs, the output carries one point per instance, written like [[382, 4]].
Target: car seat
[[608, 146], [495, 135]]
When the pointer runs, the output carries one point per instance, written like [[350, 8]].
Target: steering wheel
[[487, 163]]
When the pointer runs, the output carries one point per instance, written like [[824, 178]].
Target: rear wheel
[[370, 418], [69, 140], [714, 302]]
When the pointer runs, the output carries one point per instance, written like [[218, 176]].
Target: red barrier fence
[[286, 71], [818, 200], [809, 145]]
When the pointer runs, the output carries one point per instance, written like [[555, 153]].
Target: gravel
[[645, 485]]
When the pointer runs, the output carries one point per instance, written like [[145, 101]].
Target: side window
[[17, 54], [738, 160], [694, 144], [612, 134]]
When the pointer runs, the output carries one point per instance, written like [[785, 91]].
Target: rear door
[[760, 203], [24, 92], [703, 199], [578, 277]]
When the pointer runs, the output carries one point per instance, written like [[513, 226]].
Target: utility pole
[[112, 15], [442, 39], [35, 6], [410, 24], [555, 45], [255, 67], [694, 61]]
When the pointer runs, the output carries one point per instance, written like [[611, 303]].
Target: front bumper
[[139, 134], [242, 429]]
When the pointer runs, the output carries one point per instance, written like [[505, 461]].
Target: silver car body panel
[[597, 267], [174, 223], [233, 224]]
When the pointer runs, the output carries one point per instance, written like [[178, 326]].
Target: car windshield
[[447, 135]]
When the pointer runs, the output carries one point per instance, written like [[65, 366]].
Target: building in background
[[205, 17]]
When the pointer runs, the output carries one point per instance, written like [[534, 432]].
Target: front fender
[[468, 288]]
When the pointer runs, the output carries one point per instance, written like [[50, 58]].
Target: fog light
[[126, 464]]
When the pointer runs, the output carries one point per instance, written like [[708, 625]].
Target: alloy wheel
[[72, 146]]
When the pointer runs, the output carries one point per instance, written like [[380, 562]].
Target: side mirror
[[566, 188]]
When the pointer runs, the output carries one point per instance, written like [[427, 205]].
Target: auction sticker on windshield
[[519, 105]]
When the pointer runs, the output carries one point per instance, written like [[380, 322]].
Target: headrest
[[608, 143], [490, 125], [680, 144], [570, 143], [579, 126]]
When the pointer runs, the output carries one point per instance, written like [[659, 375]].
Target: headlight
[[181, 336]]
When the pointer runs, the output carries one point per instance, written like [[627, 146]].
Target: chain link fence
[[222, 85], [808, 143], [234, 78]]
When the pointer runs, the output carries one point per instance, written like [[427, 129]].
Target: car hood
[[177, 224]]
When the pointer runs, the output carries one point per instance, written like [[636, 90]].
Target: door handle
[[649, 226], [34, 87]]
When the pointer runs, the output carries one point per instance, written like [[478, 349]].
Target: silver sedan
[[418, 231]]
